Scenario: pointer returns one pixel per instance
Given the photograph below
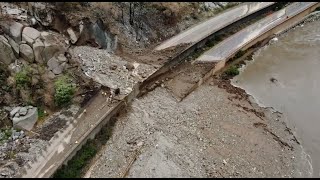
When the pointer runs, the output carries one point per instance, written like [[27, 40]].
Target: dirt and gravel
[[150, 56], [110, 70], [183, 78], [211, 133]]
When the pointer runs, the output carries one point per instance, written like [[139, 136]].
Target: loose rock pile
[[110, 70]]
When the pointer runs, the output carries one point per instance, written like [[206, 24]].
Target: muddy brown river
[[294, 63]]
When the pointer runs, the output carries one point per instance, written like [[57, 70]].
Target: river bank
[[214, 132], [292, 63]]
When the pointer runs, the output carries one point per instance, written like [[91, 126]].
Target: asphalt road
[[206, 28], [228, 47]]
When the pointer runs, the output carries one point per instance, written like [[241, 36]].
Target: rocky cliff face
[[35, 38], [39, 35], [33, 55]]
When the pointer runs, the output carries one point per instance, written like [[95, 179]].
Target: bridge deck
[[206, 28], [231, 45]]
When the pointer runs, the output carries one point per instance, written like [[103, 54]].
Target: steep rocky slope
[[41, 75]]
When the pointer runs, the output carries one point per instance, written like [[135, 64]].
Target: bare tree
[[131, 12], [122, 7], [139, 23]]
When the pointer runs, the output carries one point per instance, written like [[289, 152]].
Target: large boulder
[[55, 65], [48, 76], [72, 35], [43, 14], [6, 52], [26, 52], [99, 35], [29, 35], [16, 31], [13, 69], [4, 39], [38, 48], [31, 32], [23, 111], [14, 45], [58, 70], [52, 44], [62, 58], [25, 118], [14, 111], [95, 33]]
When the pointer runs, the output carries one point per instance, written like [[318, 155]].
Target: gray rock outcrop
[[43, 14], [24, 117], [38, 48], [26, 52], [72, 35], [99, 35], [53, 63], [6, 52], [51, 45], [14, 45], [62, 58], [16, 31], [57, 64], [29, 35], [30, 44], [14, 111], [23, 111], [95, 33], [14, 68]]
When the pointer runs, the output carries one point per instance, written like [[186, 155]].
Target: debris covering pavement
[[111, 70], [206, 135]]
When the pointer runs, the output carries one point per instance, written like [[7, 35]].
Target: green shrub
[[41, 112], [8, 132], [78, 162], [5, 134], [239, 54], [22, 78], [211, 43], [64, 90], [75, 168], [232, 71]]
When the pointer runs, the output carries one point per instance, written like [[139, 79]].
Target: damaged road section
[[205, 135], [110, 70]]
